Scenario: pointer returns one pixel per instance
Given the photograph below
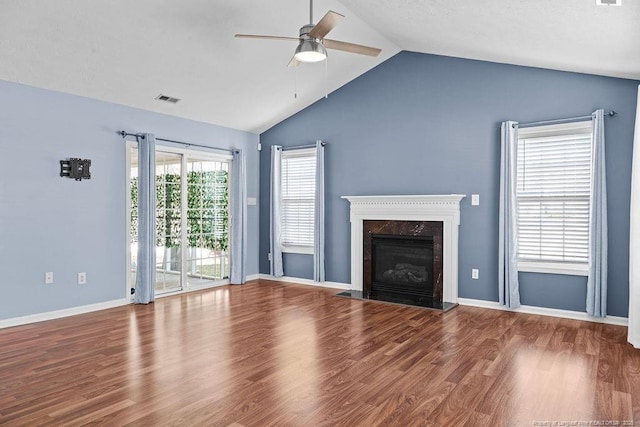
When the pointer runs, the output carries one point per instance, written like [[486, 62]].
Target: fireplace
[[402, 269], [402, 262], [411, 217]]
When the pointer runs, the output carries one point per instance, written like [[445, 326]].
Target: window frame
[[547, 266], [295, 152]]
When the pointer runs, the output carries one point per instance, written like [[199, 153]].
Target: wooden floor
[[269, 353]]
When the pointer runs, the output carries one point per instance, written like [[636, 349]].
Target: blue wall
[[426, 124], [49, 223]]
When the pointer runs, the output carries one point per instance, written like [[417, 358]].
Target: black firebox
[[402, 269]]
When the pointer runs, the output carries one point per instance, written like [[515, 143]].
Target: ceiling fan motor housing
[[309, 49]]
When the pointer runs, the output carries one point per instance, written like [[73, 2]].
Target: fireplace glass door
[[402, 268]]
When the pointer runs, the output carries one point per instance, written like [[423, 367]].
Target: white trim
[[438, 207], [208, 155], [184, 222], [543, 311], [492, 305], [542, 131], [301, 281], [51, 315], [297, 249], [553, 268], [67, 312]]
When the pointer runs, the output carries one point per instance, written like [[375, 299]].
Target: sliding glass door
[[192, 219], [207, 232]]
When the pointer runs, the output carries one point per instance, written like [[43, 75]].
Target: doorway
[[192, 218]]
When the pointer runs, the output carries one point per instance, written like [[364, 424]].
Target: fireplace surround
[[411, 212]]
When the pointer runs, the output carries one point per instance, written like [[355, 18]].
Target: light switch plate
[[475, 199]]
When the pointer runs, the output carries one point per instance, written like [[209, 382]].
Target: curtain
[[634, 240], [275, 245], [146, 268], [318, 221], [238, 218], [508, 286], [597, 279]]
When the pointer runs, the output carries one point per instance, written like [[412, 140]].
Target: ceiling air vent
[[608, 2], [166, 98]]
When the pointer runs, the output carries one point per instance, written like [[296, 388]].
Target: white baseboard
[[300, 281], [543, 311], [493, 305], [253, 277], [50, 315]]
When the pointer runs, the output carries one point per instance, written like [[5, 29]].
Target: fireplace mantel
[[445, 208]]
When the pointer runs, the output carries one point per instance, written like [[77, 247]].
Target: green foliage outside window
[[207, 210]]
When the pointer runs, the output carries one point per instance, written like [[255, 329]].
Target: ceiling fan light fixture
[[310, 51]]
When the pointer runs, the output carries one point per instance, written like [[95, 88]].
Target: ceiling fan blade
[[351, 47], [293, 63], [326, 24], [255, 36]]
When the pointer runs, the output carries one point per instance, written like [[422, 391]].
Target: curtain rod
[[557, 121], [299, 147], [188, 144]]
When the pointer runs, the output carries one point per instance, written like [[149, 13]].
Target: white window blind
[[552, 192], [298, 195]]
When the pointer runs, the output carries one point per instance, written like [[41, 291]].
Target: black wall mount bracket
[[75, 168]]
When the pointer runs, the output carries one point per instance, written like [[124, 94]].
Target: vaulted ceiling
[[128, 52]]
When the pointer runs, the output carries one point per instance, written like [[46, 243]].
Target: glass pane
[[553, 187], [168, 215], [298, 193], [207, 221]]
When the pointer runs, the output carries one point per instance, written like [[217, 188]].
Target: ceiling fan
[[311, 43]]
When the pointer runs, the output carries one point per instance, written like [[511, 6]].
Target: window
[[552, 196], [298, 196]]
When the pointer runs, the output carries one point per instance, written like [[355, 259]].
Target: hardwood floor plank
[[277, 354]]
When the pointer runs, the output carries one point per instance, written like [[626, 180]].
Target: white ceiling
[[128, 52]]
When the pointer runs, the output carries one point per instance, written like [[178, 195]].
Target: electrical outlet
[[82, 278], [48, 277], [475, 199], [475, 273]]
